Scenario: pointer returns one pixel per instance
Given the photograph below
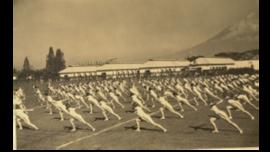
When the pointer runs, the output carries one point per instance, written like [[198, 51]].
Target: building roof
[[182, 63], [247, 63], [214, 61], [79, 69], [164, 64], [108, 67]]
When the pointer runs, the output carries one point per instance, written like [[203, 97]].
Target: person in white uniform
[[106, 108], [142, 116], [80, 99], [236, 104], [138, 102], [221, 114], [59, 105], [166, 105], [116, 99], [211, 94], [245, 99], [249, 92], [135, 91], [154, 97], [198, 94], [21, 115], [75, 116], [180, 99], [92, 101]]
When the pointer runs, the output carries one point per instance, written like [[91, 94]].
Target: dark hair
[[46, 93], [212, 104], [175, 93], [68, 105]]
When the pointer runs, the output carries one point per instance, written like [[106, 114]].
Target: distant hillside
[[238, 37], [246, 55]]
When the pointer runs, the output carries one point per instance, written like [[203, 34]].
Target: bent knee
[[212, 119], [138, 119]]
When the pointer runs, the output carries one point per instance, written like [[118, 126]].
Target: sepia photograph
[[135, 74]]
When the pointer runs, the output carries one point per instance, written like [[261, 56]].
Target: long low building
[[223, 63], [111, 69], [156, 68], [78, 71], [254, 64], [212, 63], [123, 70], [159, 66]]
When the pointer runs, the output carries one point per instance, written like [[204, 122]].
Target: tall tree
[[59, 60], [50, 65], [26, 65], [14, 71], [26, 71]]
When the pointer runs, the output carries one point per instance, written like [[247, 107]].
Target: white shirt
[[137, 100], [219, 112], [196, 90], [243, 97], [178, 97], [180, 88], [163, 101], [169, 93], [235, 103], [93, 100], [218, 88], [153, 94], [50, 99], [256, 84], [16, 100], [141, 113], [102, 95]]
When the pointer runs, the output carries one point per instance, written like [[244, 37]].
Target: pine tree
[[26, 65], [15, 71], [59, 60], [50, 67], [26, 70]]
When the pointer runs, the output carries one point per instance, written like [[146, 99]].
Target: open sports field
[[193, 131]]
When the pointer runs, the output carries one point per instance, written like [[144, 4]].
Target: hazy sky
[[102, 29]]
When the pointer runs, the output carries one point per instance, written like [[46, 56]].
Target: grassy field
[[191, 132]]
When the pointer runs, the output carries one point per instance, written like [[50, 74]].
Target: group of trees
[[192, 59], [246, 55], [55, 62]]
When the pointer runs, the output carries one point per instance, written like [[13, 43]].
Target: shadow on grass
[[52, 112], [130, 111], [99, 118], [142, 128], [167, 117], [208, 129], [237, 117], [27, 128], [88, 111], [59, 118], [201, 127], [69, 128]]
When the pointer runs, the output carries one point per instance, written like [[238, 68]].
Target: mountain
[[238, 37]]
